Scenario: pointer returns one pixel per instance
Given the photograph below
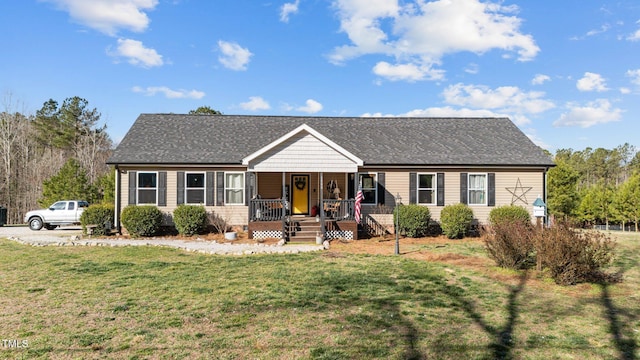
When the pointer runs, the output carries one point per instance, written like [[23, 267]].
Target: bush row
[[570, 256], [146, 220], [455, 220], [189, 220]]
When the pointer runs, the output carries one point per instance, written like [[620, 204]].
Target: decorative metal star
[[519, 192]]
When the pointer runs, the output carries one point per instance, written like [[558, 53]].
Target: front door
[[299, 194]]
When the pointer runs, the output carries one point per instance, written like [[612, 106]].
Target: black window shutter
[[180, 194], [463, 188], [210, 189], [440, 189], [381, 188], [491, 184], [133, 185], [249, 186], [413, 188], [162, 188], [220, 188]]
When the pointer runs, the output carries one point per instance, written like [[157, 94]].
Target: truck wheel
[[35, 223], [50, 227]]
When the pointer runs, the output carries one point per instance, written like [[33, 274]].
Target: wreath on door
[[300, 183], [331, 186]]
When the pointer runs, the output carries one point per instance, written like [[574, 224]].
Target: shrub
[[190, 219], [455, 220], [573, 256], [510, 244], [414, 220], [101, 215], [509, 214], [220, 224], [141, 220]]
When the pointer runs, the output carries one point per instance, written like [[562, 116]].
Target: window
[[234, 188], [147, 187], [60, 205], [369, 188], [427, 189], [72, 205], [195, 188], [477, 189]]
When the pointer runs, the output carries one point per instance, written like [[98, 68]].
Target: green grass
[[147, 302]]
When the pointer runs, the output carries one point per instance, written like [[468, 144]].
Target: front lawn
[[439, 300]]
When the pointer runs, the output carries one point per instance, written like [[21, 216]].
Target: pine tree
[[70, 183]]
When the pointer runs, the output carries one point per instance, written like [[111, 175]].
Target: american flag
[[359, 197]]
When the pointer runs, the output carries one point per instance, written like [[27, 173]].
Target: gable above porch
[[302, 150]]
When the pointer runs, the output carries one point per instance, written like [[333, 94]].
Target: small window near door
[[369, 188], [234, 188]]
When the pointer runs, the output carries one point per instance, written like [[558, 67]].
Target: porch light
[[397, 210]]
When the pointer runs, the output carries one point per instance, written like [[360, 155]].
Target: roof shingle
[[227, 139]]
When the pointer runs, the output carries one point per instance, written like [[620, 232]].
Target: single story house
[[289, 176]]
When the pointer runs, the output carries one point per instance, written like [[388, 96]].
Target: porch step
[[304, 229]]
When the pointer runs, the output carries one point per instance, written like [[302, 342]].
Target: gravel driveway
[[72, 236]]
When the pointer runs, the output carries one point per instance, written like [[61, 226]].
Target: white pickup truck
[[65, 212]]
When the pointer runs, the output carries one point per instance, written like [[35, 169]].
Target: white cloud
[[540, 79], [169, 93], [594, 113], [448, 111], [532, 134], [636, 35], [625, 90], [233, 56], [634, 75], [472, 68], [481, 101], [255, 103], [506, 98], [407, 72], [422, 33], [311, 107], [591, 82], [604, 28], [137, 54], [288, 9], [108, 16]]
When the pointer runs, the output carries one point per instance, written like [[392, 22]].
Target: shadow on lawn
[[626, 345], [503, 343]]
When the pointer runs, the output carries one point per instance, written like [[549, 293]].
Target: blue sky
[[566, 72]]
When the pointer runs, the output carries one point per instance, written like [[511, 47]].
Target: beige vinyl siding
[[235, 214], [397, 182], [303, 153], [270, 185]]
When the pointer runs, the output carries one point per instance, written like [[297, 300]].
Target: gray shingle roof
[[227, 139]]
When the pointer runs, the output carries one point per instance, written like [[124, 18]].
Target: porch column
[[321, 193], [284, 209]]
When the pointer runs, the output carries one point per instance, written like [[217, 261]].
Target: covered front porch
[[302, 206], [302, 185]]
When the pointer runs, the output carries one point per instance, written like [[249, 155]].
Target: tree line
[[596, 186], [58, 152], [61, 151]]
